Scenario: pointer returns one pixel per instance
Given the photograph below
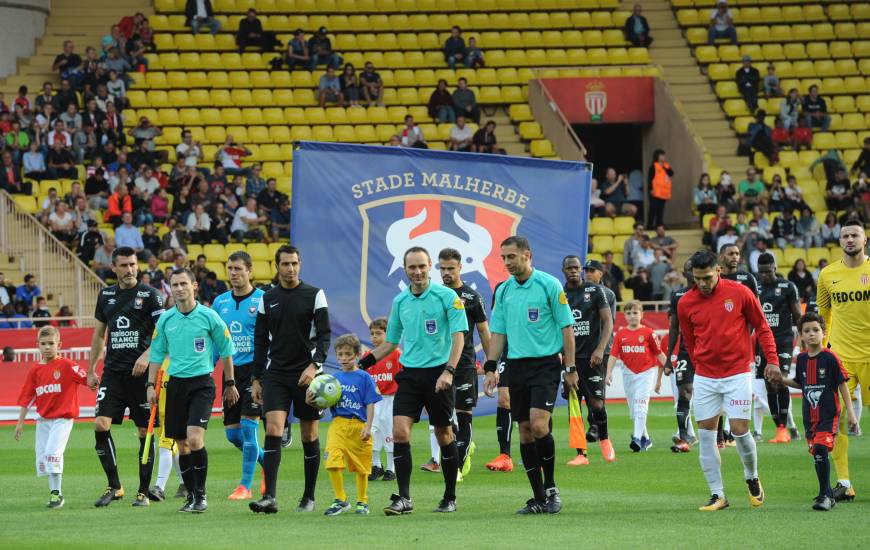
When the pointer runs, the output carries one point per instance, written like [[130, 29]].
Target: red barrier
[[25, 338], [603, 100]]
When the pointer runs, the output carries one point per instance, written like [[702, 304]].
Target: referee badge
[[431, 326], [199, 345], [535, 314]]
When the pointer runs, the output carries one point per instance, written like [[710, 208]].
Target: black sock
[[463, 435], [600, 417], [311, 458], [402, 459], [450, 466], [823, 469], [503, 430], [720, 431], [188, 476], [105, 448], [199, 460], [532, 464], [683, 411], [145, 470], [271, 461], [546, 448]]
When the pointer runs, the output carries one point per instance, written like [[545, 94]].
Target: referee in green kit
[[191, 335], [531, 312]]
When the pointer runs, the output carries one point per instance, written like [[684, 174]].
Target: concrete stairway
[[689, 85], [84, 22], [506, 132]]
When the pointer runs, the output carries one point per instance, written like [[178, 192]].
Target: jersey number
[[681, 365], [101, 393]]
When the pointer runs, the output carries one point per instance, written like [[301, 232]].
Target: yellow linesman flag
[[576, 430]]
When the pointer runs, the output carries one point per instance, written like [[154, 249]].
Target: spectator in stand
[[862, 163], [460, 136], [789, 109], [802, 136], [121, 177], [89, 242], [48, 204], [189, 150], [465, 102], [412, 135], [59, 133], [371, 85], [150, 240], [659, 184], [7, 291], [721, 24], [269, 198], [614, 191], [803, 280], [641, 285], [22, 100], [62, 224], [474, 55], [28, 291], [297, 54], [441, 106], [839, 191], [116, 86], [321, 52], [794, 195], [97, 190], [596, 203], [211, 288], [613, 275], [68, 64], [280, 221], [118, 63], [395, 141], [329, 88], [159, 205], [250, 32], [146, 133], [10, 177], [861, 191], [776, 199], [657, 271], [221, 221], [785, 231], [759, 137], [199, 13], [199, 226], [631, 244], [174, 241], [350, 86], [40, 311], [153, 271], [809, 228], [255, 182], [662, 241], [127, 235], [717, 226], [61, 163], [19, 313], [230, 157], [779, 135], [247, 223], [65, 97], [636, 28], [643, 255], [119, 203], [771, 82], [730, 237], [103, 260], [485, 140], [705, 197], [17, 142], [454, 49], [752, 190], [815, 110], [64, 311]]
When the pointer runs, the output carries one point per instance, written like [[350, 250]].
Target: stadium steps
[[688, 240], [507, 133], [690, 86], [84, 22]]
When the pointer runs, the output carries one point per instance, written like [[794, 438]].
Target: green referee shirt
[[190, 341], [531, 315], [426, 322]]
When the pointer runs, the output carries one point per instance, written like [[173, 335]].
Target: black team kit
[[684, 373], [465, 377]]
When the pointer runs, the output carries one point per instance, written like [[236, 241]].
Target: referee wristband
[[368, 361], [149, 385], [491, 365]]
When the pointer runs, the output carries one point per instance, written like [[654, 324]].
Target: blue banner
[[357, 208]]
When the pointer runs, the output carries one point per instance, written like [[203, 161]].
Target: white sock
[[54, 482], [857, 406], [639, 422], [711, 462], [177, 467], [690, 429], [845, 483], [746, 449], [164, 466], [433, 444], [758, 419], [376, 458], [391, 465], [790, 422]]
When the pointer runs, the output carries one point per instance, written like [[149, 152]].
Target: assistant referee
[[191, 334], [531, 311]]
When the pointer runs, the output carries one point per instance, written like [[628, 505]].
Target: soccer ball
[[326, 390]]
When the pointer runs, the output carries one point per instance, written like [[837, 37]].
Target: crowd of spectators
[[22, 306]]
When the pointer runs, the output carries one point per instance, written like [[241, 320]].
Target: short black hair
[[703, 259], [286, 249], [379, 323], [412, 250], [811, 317], [184, 271], [766, 259], [727, 246], [570, 257], [241, 256], [450, 254], [520, 242], [122, 251], [852, 223]]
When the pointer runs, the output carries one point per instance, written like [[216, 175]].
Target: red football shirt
[[638, 349], [54, 387], [715, 330], [384, 373]]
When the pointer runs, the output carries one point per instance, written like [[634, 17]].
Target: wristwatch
[[570, 369], [149, 385], [451, 370], [229, 383]]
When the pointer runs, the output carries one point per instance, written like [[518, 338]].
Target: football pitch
[[646, 500]]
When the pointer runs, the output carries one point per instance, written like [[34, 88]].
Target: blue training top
[[240, 315]]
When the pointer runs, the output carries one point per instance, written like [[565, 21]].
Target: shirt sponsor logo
[[199, 345], [142, 294], [235, 326], [383, 377], [458, 304], [852, 296], [534, 314], [813, 396], [122, 322], [112, 301], [778, 292], [633, 349], [430, 326], [48, 388], [587, 296], [108, 293]]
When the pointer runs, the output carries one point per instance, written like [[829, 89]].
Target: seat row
[[841, 104], [749, 15], [788, 33], [276, 116], [843, 64], [790, 72]]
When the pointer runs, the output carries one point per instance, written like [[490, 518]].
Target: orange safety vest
[[661, 183]]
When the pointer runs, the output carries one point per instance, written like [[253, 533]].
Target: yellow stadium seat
[[322, 133], [542, 148], [791, 255], [707, 54], [345, 134], [815, 255], [215, 134], [520, 113], [602, 243], [846, 140], [300, 133], [214, 252], [601, 226]]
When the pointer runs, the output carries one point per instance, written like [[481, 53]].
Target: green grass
[[647, 499]]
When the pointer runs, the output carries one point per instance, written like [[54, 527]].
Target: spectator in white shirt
[[412, 135], [127, 234], [189, 150], [199, 226], [246, 223], [62, 224], [147, 183], [59, 132], [460, 135]]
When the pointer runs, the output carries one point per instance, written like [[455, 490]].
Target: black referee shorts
[[281, 391], [188, 403], [465, 384], [417, 390], [245, 406], [120, 391], [534, 384]]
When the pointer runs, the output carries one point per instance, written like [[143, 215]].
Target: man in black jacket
[[251, 33], [748, 79], [637, 29], [199, 13]]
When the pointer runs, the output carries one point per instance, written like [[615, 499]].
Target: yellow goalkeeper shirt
[[843, 297]]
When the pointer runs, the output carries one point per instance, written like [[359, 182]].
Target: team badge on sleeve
[[563, 299]]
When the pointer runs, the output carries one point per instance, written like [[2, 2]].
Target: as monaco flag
[[576, 430]]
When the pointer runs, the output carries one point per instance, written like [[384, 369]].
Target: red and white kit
[[384, 374], [53, 387], [638, 350]]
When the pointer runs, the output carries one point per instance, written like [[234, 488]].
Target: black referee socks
[[600, 416], [271, 461], [404, 463], [105, 448], [503, 428], [450, 467], [145, 470], [532, 464], [185, 467], [546, 448], [199, 460], [311, 457]]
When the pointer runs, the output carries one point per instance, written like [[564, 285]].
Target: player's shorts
[[465, 385], [345, 448], [591, 378], [245, 406], [684, 370], [417, 390], [504, 380], [119, 391], [382, 421], [859, 374], [759, 393], [825, 439], [534, 385], [784, 349], [731, 395], [52, 435], [280, 391], [188, 403]]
